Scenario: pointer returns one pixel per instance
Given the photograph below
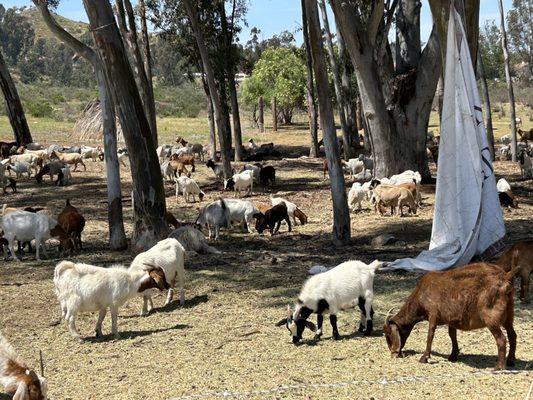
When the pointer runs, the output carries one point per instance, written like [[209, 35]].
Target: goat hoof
[[368, 332], [499, 367], [336, 336], [361, 328], [424, 359], [510, 363], [317, 337]]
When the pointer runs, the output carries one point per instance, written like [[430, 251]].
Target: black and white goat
[[332, 291]]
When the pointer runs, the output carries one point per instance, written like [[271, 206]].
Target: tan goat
[[70, 158], [393, 196]]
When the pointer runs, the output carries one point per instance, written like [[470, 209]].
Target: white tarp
[[467, 219]]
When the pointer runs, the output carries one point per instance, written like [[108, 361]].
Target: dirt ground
[[223, 342]]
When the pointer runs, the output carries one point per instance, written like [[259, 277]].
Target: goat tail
[[62, 267], [509, 276]]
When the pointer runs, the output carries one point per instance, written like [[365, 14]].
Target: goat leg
[[101, 316], [114, 325], [333, 322], [455, 346], [511, 336], [501, 343], [431, 334], [319, 322]]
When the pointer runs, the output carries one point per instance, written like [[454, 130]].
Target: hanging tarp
[[467, 218]]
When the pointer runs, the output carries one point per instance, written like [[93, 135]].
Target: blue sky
[[274, 16]]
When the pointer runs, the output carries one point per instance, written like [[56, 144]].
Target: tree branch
[[375, 20]]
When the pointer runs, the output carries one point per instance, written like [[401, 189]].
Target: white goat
[[169, 255], [192, 240], [20, 168], [526, 165], [292, 209], [337, 289], [353, 165], [367, 189], [26, 226], [189, 187], [241, 182], [17, 379], [86, 288], [355, 196], [167, 171], [122, 156], [256, 169], [91, 152], [67, 174], [503, 186], [225, 212], [405, 177]]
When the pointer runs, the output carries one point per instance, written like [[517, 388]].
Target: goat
[[406, 177], [86, 288], [178, 168], [50, 169], [332, 291], [267, 175], [72, 223], [355, 196], [368, 163], [520, 256], [255, 168], [272, 218], [526, 165], [525, 135], [292, 209], [8, 182], [189, 187], [20, 168], [169, 255], [354, 166], [192, 240], [393, 196], [217, 169], [467, 298], [67, 174], [93, 153], [505, 194], [185, 159], [242, 182], [224, 212], [26, 226], [122, 157], [34, 146], [17, 378], [70, 158], [167, 171]]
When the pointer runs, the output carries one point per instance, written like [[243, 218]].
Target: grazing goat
[[520, 256], [406, 177], [292, 209], [267, 175], [393, 196], [217, 169], [73, 223], [86, 288], [505, 194], [70, 158], [467, 298], [50, 169], [169, 255], [93, 153], [192, 240], [255, 168], [20, 168], [188, 187], [26, 226], [525, 135], [178, 168], [337, 289], [242, 182], [225, 212], [355, 196], [272, 218], [17, 378]]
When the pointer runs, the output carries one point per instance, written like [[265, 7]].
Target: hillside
[[75, 28]]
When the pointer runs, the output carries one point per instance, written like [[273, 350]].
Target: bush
[[40, 109]]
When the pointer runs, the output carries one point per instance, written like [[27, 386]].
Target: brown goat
[[525, 135], [519, 256], [185, 159], [272, 218], [263, 207], [72, 222], [179, 168], [467, 298]]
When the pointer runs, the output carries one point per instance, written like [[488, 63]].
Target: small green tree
[[279, 73]]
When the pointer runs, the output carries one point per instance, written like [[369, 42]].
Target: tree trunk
[[359, 114], [148, 193], [230, 73], [486, 100], [350, 104], [514, 149], [336, 82], [15, 112], [341, 214], [310, 89], [148, 64], [128, 28], [261, 117], [117, 236], [220, 120], [274, 115], [440, 97]]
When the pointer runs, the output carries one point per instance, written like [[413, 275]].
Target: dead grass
[[224, 338]]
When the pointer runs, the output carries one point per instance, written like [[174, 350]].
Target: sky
[[274, 16]]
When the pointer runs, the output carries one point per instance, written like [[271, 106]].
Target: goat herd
[[472, 297]]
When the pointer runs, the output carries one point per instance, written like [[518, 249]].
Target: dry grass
[[224, 338]]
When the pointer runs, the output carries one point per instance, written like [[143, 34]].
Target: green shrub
[[40, 109]]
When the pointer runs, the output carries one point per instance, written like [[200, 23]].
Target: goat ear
[[310, 325], [281, 322], [159, 278], [22, 392]]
